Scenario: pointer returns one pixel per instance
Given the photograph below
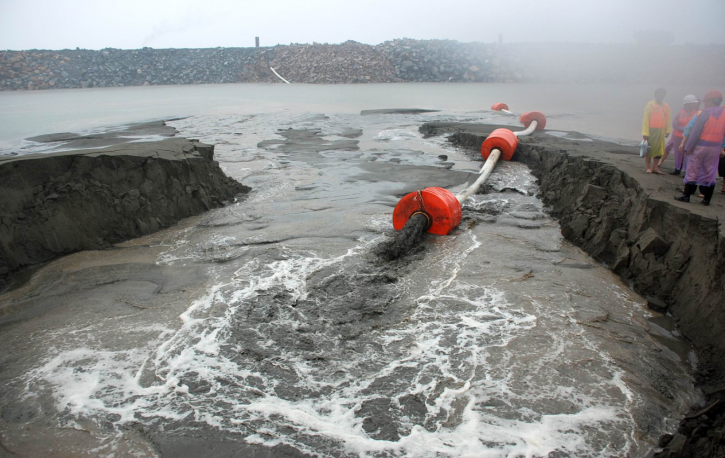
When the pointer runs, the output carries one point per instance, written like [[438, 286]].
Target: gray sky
[[96, 24]]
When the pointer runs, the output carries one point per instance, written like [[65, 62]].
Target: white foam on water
[[508, 175], [395, 135], [445, 343], [91, 379], [494, 203], [178, 251], [478, 323], [380, 223]]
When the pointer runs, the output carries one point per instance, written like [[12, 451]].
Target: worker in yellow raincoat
[[656, 126]]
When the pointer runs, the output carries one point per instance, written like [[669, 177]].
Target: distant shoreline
[[403, 60]]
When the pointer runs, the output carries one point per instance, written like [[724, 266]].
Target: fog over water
[[43, 24]]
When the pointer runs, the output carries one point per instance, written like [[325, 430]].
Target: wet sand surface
[[270, 327], [133, 133]]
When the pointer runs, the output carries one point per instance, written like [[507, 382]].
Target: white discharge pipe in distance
[[507, 112], [275, 72], [489, 165]]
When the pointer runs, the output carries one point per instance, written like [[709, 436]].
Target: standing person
[[689, 108], [685, 136], [687, 130], [703, 147], [721, 169], [655, 128]]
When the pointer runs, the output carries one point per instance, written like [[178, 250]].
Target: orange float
[[502, 139], [529, 116], [498, 106], [439, 205]]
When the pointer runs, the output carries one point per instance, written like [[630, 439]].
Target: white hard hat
[[690, 99]]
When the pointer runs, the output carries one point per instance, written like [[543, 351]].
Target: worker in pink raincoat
[[689, 109], [703, 147]]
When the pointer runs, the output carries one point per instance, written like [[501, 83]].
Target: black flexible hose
[[405, 239]]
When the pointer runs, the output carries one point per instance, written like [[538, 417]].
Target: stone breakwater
[[403, 60], [59, 203], [673, 254]]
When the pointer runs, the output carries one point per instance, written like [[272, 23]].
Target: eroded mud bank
[[672, 253], [59, 203]]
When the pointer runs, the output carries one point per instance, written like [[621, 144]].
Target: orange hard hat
[[714, 94]]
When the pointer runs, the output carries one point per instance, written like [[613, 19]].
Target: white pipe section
[[508, 112], [489, 165], [485, 172], [275, 72], [528, 130]]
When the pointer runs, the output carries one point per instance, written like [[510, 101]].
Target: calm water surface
[[606, 110]]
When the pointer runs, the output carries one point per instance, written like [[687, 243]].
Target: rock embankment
[[402, 60], [349, 62], [672, 253], [59, 203], [448, 60]]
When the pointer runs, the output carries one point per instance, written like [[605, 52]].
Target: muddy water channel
[[271, 328]]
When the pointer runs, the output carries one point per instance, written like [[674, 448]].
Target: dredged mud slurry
[[406, 240]]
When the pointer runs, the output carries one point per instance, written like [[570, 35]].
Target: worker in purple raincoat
[[703, 147]]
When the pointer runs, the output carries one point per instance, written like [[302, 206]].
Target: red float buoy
[[537, 116], [502, 139], [498, 106], [439, 205]]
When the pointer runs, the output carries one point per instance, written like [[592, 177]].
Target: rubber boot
[[688, 191], [676, 172], [707, 192]]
